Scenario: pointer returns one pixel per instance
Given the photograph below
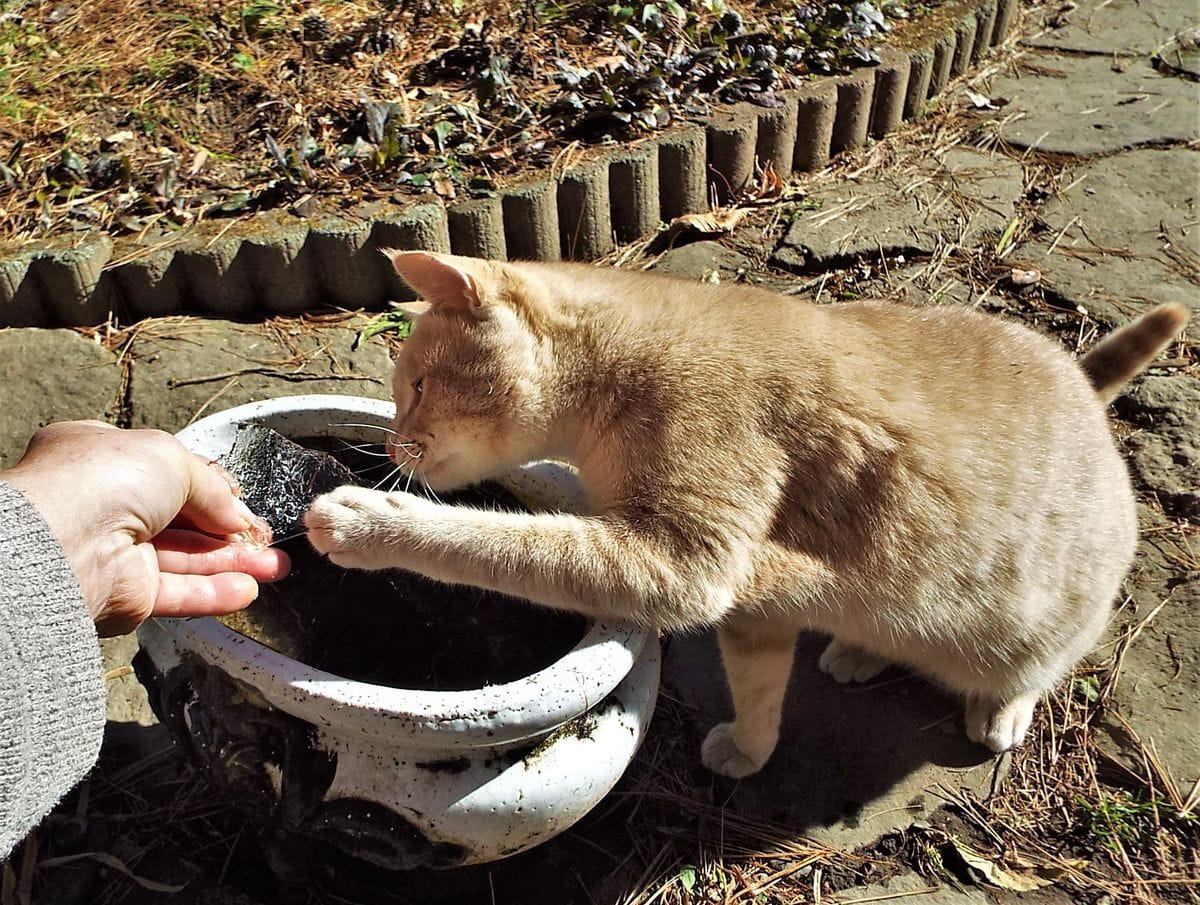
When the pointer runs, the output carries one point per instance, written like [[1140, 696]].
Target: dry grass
[[1108, 825], [136, 118]]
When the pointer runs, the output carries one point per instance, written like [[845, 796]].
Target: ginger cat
[[933, 487]]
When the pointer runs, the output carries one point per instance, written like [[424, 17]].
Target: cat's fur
[[930, 486]]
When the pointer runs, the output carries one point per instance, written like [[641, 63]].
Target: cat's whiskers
[[387, 477], [287, 537], [367, 449], [375, 467], [375, 427]]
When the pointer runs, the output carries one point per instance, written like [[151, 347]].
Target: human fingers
[[189, 553], [203, 595]]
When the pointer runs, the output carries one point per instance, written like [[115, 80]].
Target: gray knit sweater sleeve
[[51, 687]]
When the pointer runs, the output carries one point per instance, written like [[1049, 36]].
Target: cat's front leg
[[360, 528], [758, 655]]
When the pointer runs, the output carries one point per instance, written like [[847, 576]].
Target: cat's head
[[470, 382]]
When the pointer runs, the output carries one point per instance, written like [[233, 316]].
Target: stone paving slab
[[52, 375], [1165, 453], [1128, 234], [1081, 105], [920, 284], [853, 762], [1159, 682], [127, 701], [909, 888], [913, 212], [182, 367], [1107, 27], [700, 260]]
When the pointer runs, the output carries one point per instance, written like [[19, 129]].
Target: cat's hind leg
[[758, 656], [1000, 725], [847, 663]]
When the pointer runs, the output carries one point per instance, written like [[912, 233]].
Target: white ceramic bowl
[[400, 777]]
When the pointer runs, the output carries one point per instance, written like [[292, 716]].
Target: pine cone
[[315, 27]]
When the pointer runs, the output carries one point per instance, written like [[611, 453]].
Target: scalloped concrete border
[[275, 263]]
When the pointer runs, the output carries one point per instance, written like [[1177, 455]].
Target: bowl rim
[[491, 715]]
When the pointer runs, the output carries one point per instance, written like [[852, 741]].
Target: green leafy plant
[[242, 61], [393, 321], [260, 18], [1119, 818]]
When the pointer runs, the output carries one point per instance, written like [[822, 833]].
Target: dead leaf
[[116, 864], [984, 870], [770, 183], [1052, 871], [704, 226], [980, 101], [444, 187], [608, 62], [198, 161], [117, 138]]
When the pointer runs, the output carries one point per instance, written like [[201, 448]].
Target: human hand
[[148, 527]]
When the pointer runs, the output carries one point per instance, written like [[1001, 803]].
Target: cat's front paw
[[357, 528], [999, 726], [721, 754]]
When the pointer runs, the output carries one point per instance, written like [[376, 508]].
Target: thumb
[[212, 505]]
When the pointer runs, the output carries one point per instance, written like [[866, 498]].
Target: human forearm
[[52, 690]]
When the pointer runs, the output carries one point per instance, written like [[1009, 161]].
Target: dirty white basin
[[392, 776]]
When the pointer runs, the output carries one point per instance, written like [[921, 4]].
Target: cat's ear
[[412, 309], [446, 282]]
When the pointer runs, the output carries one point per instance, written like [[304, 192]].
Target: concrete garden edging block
[[682, 171], [477, 228], [276, 263], [891, 92], [531, 221], [633, 187], [584, 220]]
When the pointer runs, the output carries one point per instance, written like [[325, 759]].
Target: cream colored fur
[[932, 487]]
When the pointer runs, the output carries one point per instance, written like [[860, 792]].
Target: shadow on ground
[[854, 761]]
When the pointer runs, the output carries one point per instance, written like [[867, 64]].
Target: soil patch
[[395, 628]]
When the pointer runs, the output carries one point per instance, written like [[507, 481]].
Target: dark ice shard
[[280, 478]]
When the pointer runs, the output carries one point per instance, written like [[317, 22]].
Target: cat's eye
[[418, 385]]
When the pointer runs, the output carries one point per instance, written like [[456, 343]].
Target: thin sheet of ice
[[280, 478]]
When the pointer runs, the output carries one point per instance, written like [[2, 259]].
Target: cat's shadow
[[853, 761]]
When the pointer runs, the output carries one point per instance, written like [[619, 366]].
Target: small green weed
[[1118, 818], [394, 321], [260, 18]]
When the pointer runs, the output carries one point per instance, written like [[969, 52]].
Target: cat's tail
[[1121, 355]]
